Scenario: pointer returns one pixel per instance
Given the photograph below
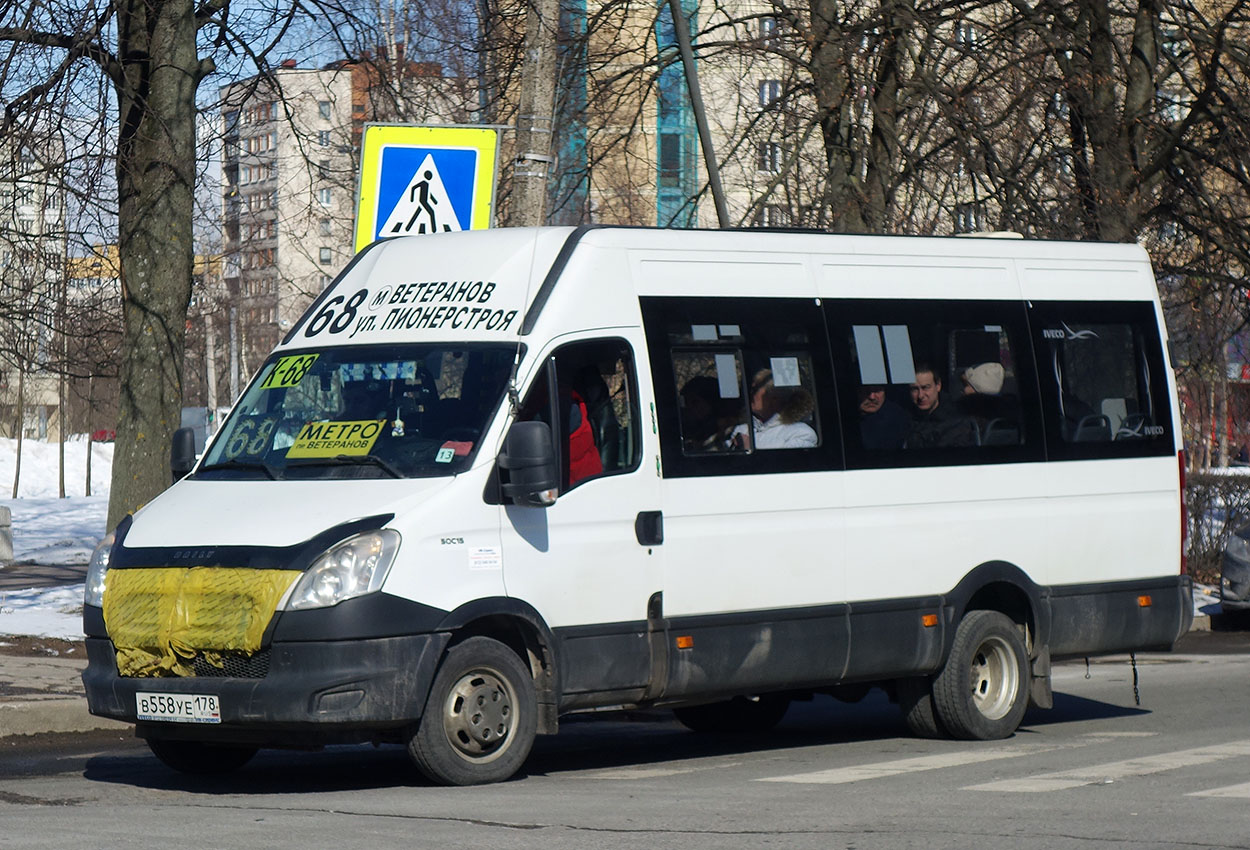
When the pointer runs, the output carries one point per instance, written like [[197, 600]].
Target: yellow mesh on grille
[[160, 619]]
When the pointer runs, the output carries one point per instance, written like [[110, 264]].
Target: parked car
[[1235, 574]]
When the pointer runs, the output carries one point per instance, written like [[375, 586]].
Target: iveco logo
[[193, 554]]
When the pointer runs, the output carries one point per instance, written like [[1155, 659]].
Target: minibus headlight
[[97, 571], [354, 567]]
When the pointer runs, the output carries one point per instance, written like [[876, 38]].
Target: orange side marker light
[[929, 620], [685, 641]]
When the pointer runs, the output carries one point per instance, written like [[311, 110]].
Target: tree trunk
[[90, 433], [1221, 408], [156, 181], [831, 85], [21, 426], [60, 434]]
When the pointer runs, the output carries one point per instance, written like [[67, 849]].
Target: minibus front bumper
[[311, 692]]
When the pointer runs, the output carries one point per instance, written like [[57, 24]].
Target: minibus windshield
[[395, 411]]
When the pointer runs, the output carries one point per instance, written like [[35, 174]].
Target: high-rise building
[[287, 210], [32, 277], [289, 174]]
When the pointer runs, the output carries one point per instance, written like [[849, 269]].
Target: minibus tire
[[740, 715], [199, 758], [982, 692], [453, 745], [915, 698]]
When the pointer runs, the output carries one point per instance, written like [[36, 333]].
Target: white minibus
[[494, 478]]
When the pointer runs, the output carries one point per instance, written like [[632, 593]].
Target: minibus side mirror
[[530, 458], [182, 452]]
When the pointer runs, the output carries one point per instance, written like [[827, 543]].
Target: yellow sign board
[[328, 439], [289, 371], [425, 180]]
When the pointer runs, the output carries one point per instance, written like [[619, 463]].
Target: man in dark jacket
[[882, 423], [934, 424]]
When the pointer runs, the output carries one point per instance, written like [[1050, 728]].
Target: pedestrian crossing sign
[[424, 180]]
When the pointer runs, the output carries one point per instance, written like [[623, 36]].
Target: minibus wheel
[[981, 694], [480, 718], [197, 757], [735, 716], [915, 698]]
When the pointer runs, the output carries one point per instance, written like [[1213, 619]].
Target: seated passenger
[[983, 379], [882, 423], [934, 424], [982, 385], [700, 425], [584, 460], [777, 415]]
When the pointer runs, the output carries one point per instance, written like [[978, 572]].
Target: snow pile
[[57, 531], [40, 471], [48, 530], [43, 612], [52, 531]]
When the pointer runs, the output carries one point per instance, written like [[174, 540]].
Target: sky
[[50, 530]]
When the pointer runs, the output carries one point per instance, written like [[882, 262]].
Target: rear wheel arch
[[1003, 587]]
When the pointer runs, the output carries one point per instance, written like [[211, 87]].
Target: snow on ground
[[52, 531], [56, 531], [39, 474], [43, 612]]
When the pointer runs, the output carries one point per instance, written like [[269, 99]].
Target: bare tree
[[154, 56]]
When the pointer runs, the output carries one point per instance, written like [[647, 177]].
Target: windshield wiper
[[234, 463], [353, 460]]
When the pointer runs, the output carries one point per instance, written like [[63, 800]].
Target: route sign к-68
[[424, 180]]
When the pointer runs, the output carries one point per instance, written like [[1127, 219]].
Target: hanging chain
[[1136, 694]]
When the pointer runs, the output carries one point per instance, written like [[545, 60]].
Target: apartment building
[[289, 181], [32, 278], [287, 197]]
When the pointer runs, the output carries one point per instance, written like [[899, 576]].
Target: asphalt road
[[24, 576], [1096, 771]]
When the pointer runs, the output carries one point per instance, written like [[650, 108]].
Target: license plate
[[178, 708]]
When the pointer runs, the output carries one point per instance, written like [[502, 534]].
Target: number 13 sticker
[[289, 371]]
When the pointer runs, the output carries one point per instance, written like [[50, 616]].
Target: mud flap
[[1040, 693]]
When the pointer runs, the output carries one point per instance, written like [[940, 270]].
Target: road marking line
[[618, 773], [861, 772], [1105, 774], [1238, 791]]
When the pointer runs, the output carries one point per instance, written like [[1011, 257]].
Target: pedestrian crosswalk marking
[[424, 206], [657, 772], [1114, 771], [1240, 792], [861, 772]]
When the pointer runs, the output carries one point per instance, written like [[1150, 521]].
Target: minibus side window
[[596, 410], [744, 386], [935, 382], [1103, 379]]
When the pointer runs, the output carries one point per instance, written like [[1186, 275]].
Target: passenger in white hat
[[984, 378]]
